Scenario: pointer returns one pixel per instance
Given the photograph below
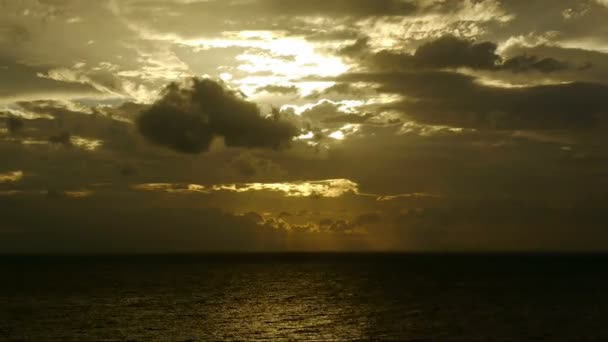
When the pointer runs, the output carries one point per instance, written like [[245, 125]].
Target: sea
[[304, 297]]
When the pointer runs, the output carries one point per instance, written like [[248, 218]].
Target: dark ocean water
[[320, 297]]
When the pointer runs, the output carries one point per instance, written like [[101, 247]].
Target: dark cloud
[[508, 225], [445, 98], [449, 52], [63, 138], [357, 49], [188, 116], [526, 63], [127, 171], [134, 224], [368, 218], [584, 65], [250, 166], [14, 124]]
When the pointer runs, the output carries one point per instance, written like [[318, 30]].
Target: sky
[[138, 126]]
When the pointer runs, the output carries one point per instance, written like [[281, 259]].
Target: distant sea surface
[[314, 297]]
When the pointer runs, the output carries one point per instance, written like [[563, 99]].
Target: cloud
[[325, 188], [368, 218], [526, 63], [63, 138], [14, 124], [248, 165], [349, 118], [342, 88], [106, 79], [267, 8], [286, 90], [57, 227], [189, 116], [444, 101], [358, 48], [568, 23], [327, 112], [156, 223], [11, 177], [515, 225], [329, 188], [450, 52], [584, 65], [325, 109], [340, 7], [452, 99], [19, 80], [339, 91], [340, 225], [56, 109], [360, 224], [602, 2]]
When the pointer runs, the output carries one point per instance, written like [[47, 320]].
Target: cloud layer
[[338, 125]]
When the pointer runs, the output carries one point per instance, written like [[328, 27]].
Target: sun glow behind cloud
[[273, 53], [323, 188], [10, 177], [330, 188]]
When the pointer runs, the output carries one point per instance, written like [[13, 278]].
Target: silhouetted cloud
[[188, 116], [357, 49], [526, 63], [278, 89], [14, 124], [368, 218], [248, 165], [452, 99], [449, 52], [63, 138]]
